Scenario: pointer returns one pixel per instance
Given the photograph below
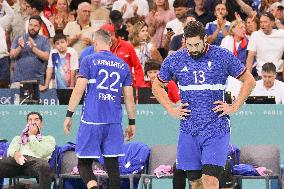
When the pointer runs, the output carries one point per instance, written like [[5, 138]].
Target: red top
[[173, 91], [126, 52], [49, 11]]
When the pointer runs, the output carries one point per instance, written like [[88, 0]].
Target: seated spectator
[[140, 39], [31, 52], [252, 25], [236, 42], [49, 8], [152, 68], [99, 13], [219, 28], [61, 16], [116, 19], [4, 54], [266, 45], [178, 41], [35, 8], [131, 8], [28, 154], [157, 20], [63, 61], [79, 33], [269, 85]]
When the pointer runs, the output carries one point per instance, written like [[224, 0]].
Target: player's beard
[[199, 54]]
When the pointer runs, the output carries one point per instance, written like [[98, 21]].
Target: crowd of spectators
[[45, 40]]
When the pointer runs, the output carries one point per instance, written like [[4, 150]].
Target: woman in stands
[[140, 39], [62, 15]]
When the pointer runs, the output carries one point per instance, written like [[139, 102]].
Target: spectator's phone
[[169, 29]]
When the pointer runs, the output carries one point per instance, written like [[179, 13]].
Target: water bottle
[[16, 99]]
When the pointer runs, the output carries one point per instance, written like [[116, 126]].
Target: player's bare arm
[[130, 109], [159, 92], [75, 98], [247, 87]]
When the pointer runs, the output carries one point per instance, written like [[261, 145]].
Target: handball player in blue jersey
[[104, 77], [201, 71]]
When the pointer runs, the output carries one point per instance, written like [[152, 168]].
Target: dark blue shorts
[[195, 151], [4, 69], [94, 141]]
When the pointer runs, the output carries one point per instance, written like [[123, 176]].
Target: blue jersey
[[107, 74], [201, 82]]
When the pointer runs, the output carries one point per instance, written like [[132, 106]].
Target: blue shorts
[[195, 151], [94, 141]]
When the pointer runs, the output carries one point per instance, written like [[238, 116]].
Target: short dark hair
[[59, 36], [193, 29], [37, 4], [269, 67], [34, 113], [269, 15], [180, 3], [151, 64], [38, 18]]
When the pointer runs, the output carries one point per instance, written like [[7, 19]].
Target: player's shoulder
[[219, 51], [177, 55]]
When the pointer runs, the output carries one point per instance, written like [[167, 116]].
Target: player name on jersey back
[[109, 63]]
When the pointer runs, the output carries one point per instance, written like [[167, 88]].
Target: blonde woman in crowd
[[140, 39], [157, 20]]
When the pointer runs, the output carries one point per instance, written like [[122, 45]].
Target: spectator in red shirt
[[126, 52], [152, 68]]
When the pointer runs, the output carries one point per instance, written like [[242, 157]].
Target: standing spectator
[[175, 27], [252, 25], [157, 20], [100, 133], [35, 8], [123, 50], [31, 52], [28, 154], [266, 45], [4, 54], [99, 13], [63, 61], [80, 32], [49, 8], [219, 28], [116, 19], [236, 42], [202, 13], [131, 8], [61, 16], [269, 85], [140, 39]]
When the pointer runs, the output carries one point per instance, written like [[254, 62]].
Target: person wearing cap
[[266, 45], [123, 50], [277, 10], [99, 13], [116, 19]]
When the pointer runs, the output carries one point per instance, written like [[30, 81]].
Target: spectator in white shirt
[[269, 85], [131, 8], [266, 45]]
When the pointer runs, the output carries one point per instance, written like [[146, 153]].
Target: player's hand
[[67, 125], [129, 132], [224, 109], [179, 112]]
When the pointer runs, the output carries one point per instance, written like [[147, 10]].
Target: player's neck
[[102, 47]]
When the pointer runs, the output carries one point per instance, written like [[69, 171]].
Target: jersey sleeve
[[128, 78], [234, 66], [84, 70], [166, 74]]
